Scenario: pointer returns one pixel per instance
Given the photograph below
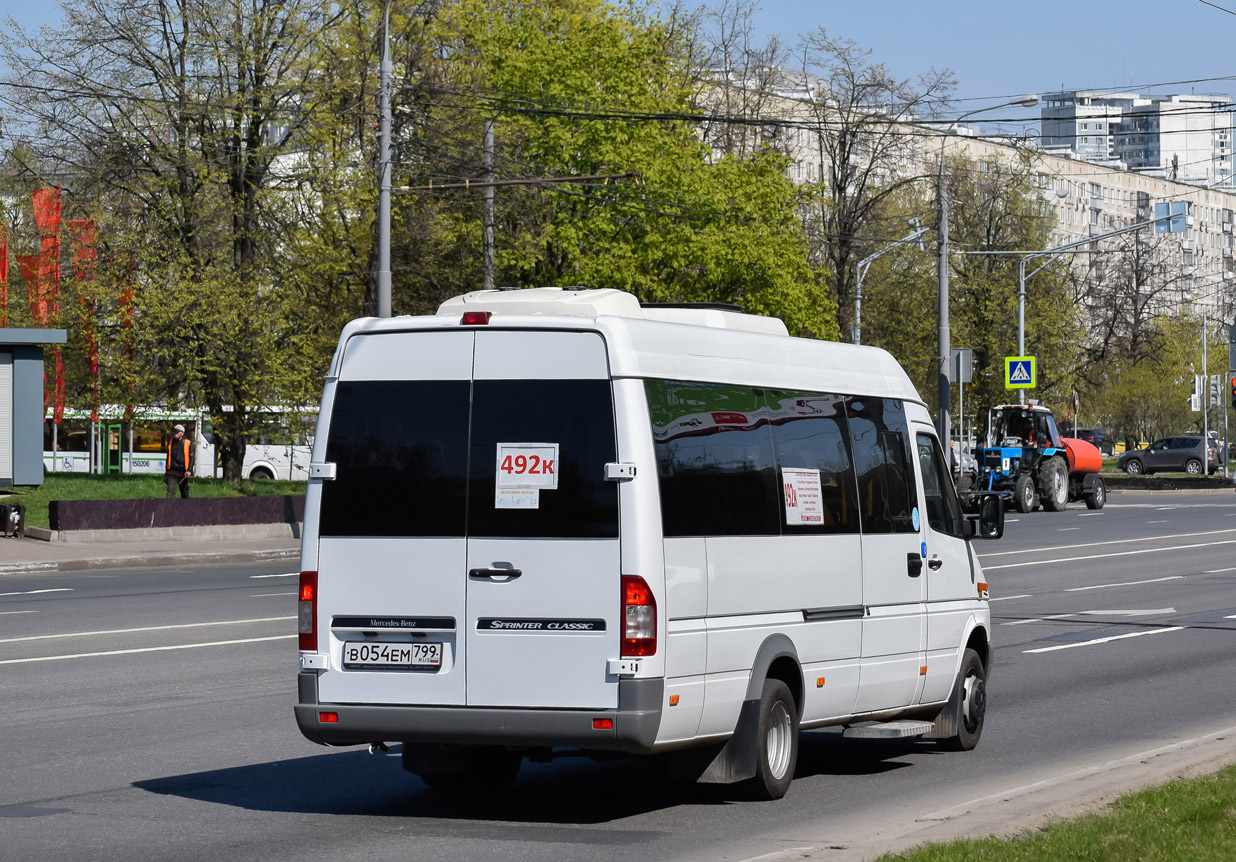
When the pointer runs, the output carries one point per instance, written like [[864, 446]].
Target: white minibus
[[553, 518]]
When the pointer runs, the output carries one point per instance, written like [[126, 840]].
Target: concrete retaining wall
[[74, 515]]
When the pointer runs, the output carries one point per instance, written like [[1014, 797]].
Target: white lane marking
[[146, 629], [1156, 522], [1232, 617], [1067, 529], [267, 595], [1137, 612], [1010, 598], [1165, 509], [1110, 542], [1091, 514], [286, 575], [1106, 639], [1218, 571], [1011, 520], [1039, 619], [1104, 556], [1125, 584], [1147, 612], [779, 854], [143, 649], [39, 592], [10, 613]]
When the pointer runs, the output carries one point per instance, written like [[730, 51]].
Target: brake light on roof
[[639, 617], [307, 612], [475, 318]]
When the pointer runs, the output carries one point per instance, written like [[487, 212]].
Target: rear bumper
[[635, 721]]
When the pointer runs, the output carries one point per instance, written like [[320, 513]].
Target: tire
[[1193, 467], [1024, 495], [1096, 498], [261, 473], [1133, 467], [776, 742], [969, 700], [466, 769], [1054, 480]]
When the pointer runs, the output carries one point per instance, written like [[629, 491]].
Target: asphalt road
[[146, 714]]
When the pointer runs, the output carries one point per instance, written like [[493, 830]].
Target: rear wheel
[[1193, 467], [1054, 478], [1024, 495], [261, 473], [969, 701], [1133, 466], [1098, 496], [776, 739]]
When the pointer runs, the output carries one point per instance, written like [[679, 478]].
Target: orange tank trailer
[[1083, 457]]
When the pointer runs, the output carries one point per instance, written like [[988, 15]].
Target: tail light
[[475, 318], [307, 612], [639, 617]]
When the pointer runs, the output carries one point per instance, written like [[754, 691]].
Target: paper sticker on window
[[804, 503], [517, 498]]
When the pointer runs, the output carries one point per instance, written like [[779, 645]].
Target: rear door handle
[[935, 563], [914, 565], [494, 574]]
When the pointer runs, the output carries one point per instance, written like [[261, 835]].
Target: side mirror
[[991, 516], [988, 521]]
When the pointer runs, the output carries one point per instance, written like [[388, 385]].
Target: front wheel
[[969, 702], [261, 474], [776, 742], [1055, 479], [1193, 467], [1024, 495]]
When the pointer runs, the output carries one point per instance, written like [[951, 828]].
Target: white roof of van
[[705, 345]]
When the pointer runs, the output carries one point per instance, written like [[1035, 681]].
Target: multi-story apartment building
[[1182, 137]]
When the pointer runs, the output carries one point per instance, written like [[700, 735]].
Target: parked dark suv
[[1096, 437], [1187, 453]]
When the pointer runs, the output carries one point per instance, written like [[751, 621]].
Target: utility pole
[[944, 393], [384, 171], [487, 232]]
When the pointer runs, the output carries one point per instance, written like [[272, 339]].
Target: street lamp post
[[384, 171], [915, 236], [944, 392]]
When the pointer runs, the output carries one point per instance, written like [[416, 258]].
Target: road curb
[[151, 560]]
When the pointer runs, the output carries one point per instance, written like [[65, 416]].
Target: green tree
[[993, 208]]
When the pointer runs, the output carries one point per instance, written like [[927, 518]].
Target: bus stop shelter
[[21, 403]]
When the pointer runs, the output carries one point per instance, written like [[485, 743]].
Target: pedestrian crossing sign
[[1020, 372]]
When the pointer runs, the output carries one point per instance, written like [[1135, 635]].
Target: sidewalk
[[18, 556]]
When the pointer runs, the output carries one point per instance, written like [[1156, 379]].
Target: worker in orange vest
[[179, 463]]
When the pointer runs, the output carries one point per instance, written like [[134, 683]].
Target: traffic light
[[1232, 389]]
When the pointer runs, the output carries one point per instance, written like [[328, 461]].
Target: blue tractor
[[1029, 464]]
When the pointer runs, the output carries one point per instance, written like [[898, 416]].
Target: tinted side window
[[943, 508], [575, 415], [810, 437], [400, 450], [880, 437], [714, 459]]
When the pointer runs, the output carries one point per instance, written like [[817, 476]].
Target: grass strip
[[1191, 820], [66, 486]]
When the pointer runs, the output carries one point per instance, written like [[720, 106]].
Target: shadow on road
[[568, 791]]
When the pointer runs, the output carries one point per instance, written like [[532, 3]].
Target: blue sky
[[1000, 49], [996, 48]]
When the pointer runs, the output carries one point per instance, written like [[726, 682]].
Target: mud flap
[[737, 759]]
